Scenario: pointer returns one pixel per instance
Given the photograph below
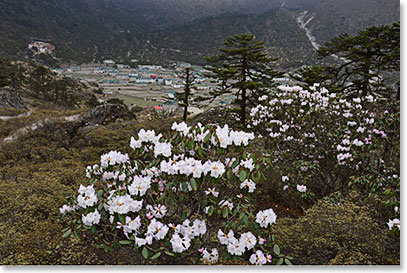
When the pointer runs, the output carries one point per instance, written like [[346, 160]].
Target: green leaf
[[93, 229], [242, 176], [183, 215], [276, 249], [155, 256], [245, 220], [210, 211], [230, 174], [169, 253], [200, 152], [184, 186], [287, 261], [125, 242], [225, 212], [100, 206], [207, 137], [235, 163], [144, 252], [280, 261], [100, 193], [193, 184], [122, 219], [67, 233]]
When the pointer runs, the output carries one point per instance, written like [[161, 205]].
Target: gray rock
[[105, 113], [9, 98]]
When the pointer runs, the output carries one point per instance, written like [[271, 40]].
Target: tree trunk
[[243, 102]]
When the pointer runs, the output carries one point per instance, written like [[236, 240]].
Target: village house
[[41, 47]]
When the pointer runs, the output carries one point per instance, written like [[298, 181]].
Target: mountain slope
[[158, 30], [333, 17], [277, 28]]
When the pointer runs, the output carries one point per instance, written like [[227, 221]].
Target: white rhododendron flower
[[225, 238], [66, 209], [198, 228], [135, 144], [301, 188], [226, 203], [258, 258], [235, 247], [113, 158], [91, 218], [179, 244], [249, 184], [132, 225], [123, 204], [394, 223], [87, 196], [140, 185], [266, 217], [248, 240], [158, 211], [210, 258], [212, 192], [157, 229], [162, 148], [144, 241], [217, 169], [182, 127]]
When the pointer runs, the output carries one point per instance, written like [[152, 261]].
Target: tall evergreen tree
[[362, 61], [244, 69], [185, 98]]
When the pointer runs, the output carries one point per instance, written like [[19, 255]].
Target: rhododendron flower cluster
[[266, 217], [175, 196], [321, 141]]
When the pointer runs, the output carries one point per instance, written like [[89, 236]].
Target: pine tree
[[185, 98], [362, 61], [243, 69]]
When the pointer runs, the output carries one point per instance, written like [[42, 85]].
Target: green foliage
[[186, 98], [364, 62], [337, 233], [41, 86], [115, 101], [243, 69]]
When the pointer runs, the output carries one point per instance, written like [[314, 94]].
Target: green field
[[129, 100]]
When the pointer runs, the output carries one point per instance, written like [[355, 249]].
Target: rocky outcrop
[[100, 115], [9, 98], [105, 113]]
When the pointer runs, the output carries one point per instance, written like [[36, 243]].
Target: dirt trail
[[26, 114], [36, 125]]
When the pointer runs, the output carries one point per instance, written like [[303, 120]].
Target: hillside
[[156, 31], [277, 28], [333, 18]]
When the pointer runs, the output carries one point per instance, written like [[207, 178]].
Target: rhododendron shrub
[[322, 142], [187, 198]]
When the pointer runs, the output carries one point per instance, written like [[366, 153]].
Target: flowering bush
[[187, 197], [322, 142]]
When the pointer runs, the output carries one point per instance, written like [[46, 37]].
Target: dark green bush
[[336, 234]]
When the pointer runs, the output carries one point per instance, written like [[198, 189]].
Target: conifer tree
[[243, 68], [185, 98], [362, 61]]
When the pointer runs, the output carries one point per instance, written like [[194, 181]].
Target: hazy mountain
[[333, 17], [155, 30], [192, 41]]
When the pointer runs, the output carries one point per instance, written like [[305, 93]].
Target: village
[[141, 85], [145, 85]]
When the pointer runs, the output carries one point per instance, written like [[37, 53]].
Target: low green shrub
[[342, 233]]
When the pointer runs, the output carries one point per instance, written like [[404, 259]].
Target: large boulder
[[105, 113], [9, 98]]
